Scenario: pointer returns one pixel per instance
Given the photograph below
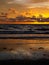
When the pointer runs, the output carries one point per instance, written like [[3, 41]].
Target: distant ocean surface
[[21, 31], [24, 29]]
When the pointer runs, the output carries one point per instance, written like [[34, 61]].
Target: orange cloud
[[13, 13]]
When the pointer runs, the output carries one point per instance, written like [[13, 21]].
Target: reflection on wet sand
[[24, 43], [24, 49]]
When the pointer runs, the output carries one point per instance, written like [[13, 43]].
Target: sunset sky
[[39, 6], [24, 3], [27, 8], [30, 6]]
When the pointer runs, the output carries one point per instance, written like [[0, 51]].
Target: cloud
[[19, 2], [30, 3], [42, 4]]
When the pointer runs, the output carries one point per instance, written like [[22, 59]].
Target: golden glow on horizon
[[36, 12], [29, 12], [24, 22], [13, 13]]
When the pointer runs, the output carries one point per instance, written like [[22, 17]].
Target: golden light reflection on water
[[24, 22], [23, 43]]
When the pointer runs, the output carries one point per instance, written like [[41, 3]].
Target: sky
[[22, 5], [29, 3]]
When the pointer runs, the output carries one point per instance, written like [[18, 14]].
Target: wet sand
[[24, 49], [24, 43]]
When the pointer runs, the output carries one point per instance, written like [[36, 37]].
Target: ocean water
[[24, 41], [24, 29]]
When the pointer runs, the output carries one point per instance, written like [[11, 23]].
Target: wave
[[23, 29]]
